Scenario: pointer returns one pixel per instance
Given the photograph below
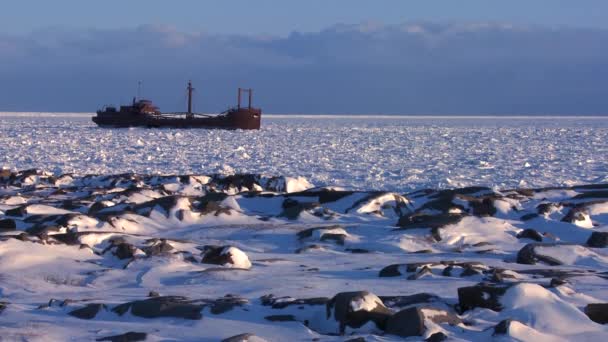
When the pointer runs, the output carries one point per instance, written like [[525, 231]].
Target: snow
[[239, 259], [368, 302]]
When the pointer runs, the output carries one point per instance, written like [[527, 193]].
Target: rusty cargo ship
[[143, 113]]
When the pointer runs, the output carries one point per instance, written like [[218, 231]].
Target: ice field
[[396, 154]]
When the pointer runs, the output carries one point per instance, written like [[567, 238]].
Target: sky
[[330, 56]]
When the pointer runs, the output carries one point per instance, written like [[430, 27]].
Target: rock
[[410, 321], [483, 207], [530, 234], [88, 312], [528, 255], [337, 238], [402, 301], [598, 240], [225, 256], [16, 212], [578, 216], [481, 296], [169, 306], [356, 339], [283, 302], [227, 303], [7, 225], [124, 251], [3, 306], [247, 337], [428, 221], [528, 217], [153, 294], [503, 327], [161, 247], [597, 312], [354, 309], [437, 337], [280, 318], [126, 337], [391, 271]]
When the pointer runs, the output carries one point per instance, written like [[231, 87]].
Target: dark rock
[[280, 318], [16, 212], [153, 294], [343, 312], [481, 296], [597, 312], [240, 338], [7, 225], [227, 303], [407, 322], [357, 250], [126, 337], [598, 240], [592, 194], [124, 251], [217, 255], [502, 328], [87, 312], [159, 248], [3, 306], [356, 339], [428, 221], [555, 282], [437, 337], [528, 255], [169, 306], [292, 208], [283, 302], [484, 207], [530, 234], [403, 301], [547, 208], [390, 271], [337, 238], [575, 214], [410, 321], [528, 217]]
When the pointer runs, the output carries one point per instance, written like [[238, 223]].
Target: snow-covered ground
[[386, 153], [205, 253]]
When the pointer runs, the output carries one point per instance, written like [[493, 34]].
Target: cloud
[[427, 68]]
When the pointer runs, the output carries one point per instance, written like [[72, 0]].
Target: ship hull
[[244, 118]]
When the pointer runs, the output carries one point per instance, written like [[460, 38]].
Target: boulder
[[355, 309], [7, 225], [160, 247], [88, 312], [169, 306], [246, 337], [597, 312], [481, 296], [225, 256], [410, 321], [126, 337], [529, 256], [598, 240], [502, 328], [428, 221], [530, 234]]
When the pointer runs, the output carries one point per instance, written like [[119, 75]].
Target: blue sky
[[330, 56], [284, 16]]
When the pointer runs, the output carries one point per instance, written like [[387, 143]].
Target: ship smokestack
[[190, 89]]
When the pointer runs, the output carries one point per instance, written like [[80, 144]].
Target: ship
[[143, 113]]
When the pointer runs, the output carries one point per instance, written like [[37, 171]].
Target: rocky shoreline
[[132, 257]]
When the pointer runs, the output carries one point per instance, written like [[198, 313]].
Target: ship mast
[[190, 89]]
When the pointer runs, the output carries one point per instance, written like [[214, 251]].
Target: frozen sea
[[394, 153]]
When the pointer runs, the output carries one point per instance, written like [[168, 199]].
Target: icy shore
[[251, 258]]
